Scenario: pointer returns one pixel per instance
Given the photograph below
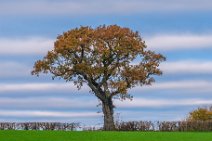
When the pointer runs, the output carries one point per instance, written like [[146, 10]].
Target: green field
[[103, 136]]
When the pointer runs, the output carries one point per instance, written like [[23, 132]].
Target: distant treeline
[[165, 126], [38, 126], [181, 126], [168, 126]]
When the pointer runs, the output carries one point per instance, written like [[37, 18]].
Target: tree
[[201, 114], [109, 59]]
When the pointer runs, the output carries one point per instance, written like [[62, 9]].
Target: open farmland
[[12, 135]]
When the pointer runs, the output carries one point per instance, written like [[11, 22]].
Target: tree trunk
[[107, 108]]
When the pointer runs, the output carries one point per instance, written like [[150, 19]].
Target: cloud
[[40, 45], [35, 113], [142, 102], [82, 7], [90, 103], [191, 85], [36, 87], [187, 67], [179, 42], [194, 86], [27, 46], [49, 102]]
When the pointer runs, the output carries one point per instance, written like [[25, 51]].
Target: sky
[[179, 29]]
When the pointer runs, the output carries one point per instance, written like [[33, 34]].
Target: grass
[[11, 135]]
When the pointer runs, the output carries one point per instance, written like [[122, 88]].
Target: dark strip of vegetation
[[181, 126], [38, 126], [165, 126]]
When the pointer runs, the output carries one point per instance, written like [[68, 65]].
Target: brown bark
[[107, 108]]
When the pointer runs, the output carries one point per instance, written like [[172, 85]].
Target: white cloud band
[[142, 102], [177, 42], [192, 85], [40, 45], [35, 87], [44, 114], [187, 67], [49, 102], [26, 46], [90, 103]]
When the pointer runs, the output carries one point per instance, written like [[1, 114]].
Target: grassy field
[[103, 136]]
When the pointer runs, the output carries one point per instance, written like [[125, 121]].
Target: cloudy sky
[[179, 29]]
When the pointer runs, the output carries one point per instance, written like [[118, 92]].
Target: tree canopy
[[201, 114], [102, 57]]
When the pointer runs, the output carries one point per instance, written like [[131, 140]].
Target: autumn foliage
[[109, 59], [201, 114]]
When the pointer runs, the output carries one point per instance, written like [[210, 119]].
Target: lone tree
[[109, 59]]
